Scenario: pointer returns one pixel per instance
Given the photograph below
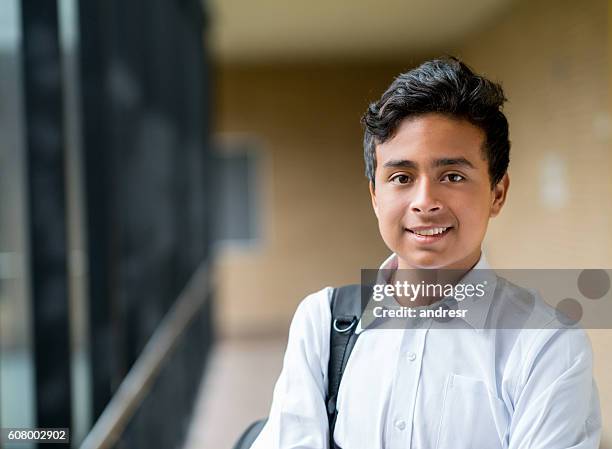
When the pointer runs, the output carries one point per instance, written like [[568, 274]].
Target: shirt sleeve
[[556, 399], [298, 416]]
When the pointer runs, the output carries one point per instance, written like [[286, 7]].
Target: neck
[[450, 274]]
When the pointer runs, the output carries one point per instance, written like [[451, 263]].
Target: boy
[[437, 151]]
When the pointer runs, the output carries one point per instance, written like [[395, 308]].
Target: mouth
[[429, 234]]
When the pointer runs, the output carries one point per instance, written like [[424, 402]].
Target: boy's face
[[432, 176]]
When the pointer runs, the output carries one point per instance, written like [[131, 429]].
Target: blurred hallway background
[[176, 175]]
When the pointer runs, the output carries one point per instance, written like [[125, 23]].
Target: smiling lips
[[429, 234]]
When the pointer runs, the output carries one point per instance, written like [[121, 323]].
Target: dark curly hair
[[446, 86]]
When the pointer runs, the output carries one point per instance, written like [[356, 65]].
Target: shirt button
[[400, 424], [411, 356]]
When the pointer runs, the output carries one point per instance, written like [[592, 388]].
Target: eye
[[453, 177], [401, 179]]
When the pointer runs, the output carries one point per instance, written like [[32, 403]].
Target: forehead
[[433, 136]]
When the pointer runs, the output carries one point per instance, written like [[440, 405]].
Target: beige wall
[[552, 58]]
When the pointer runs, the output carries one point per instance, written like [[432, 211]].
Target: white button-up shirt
[[427, 387]]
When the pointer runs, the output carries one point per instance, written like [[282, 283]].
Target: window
[[237, 163]]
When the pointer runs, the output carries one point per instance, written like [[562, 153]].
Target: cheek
[[390, 224], [474, 218], [390, 213]]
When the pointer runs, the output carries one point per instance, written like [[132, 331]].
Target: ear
[[373, 198], [500, 191]]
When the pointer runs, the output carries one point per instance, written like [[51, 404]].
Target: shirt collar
[[477, 307]]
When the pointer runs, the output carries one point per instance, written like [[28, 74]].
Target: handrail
[[134, 387]]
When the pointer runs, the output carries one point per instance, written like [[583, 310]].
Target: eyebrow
[[453, 161], [400, 163], [444, 162]]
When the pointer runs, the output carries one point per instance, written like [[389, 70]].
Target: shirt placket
[[405, 386]]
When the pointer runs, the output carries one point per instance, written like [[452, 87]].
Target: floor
[[236, 391]]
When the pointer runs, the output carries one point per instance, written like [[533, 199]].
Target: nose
[[425, 200]]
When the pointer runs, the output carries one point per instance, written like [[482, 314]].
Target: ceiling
[[269, 30]]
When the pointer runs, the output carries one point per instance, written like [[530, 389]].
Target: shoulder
[[543, 341], [522, 307], [312, 317], [315, 306], [541, 325]]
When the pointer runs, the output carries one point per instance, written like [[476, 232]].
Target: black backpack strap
[[346, 310]]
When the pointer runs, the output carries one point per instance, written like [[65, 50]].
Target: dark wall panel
[[145, 83]]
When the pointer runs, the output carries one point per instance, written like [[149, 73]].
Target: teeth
[[433, 231]]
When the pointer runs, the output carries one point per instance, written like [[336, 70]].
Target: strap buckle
[[343, 320]]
